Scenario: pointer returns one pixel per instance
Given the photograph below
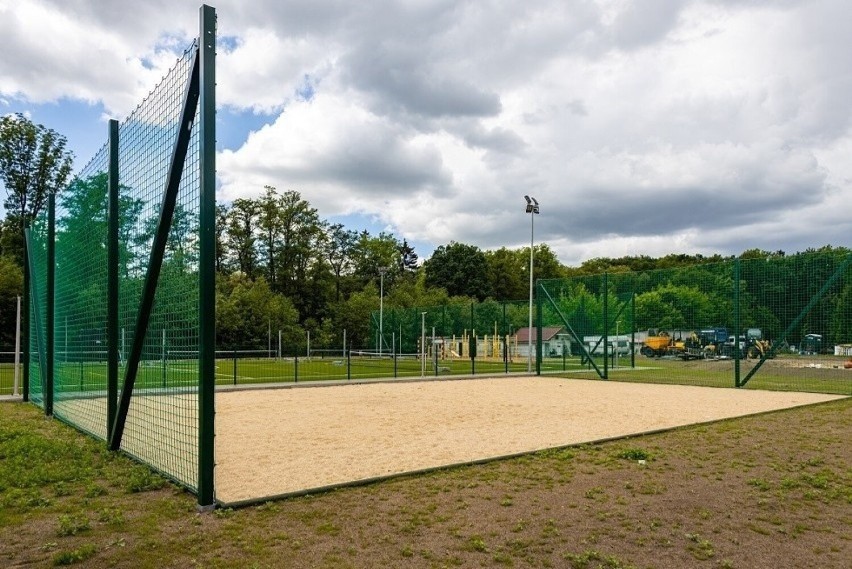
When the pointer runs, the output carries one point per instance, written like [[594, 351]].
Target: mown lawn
[[773, 490]]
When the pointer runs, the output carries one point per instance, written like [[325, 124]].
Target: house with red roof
[[554, 339]]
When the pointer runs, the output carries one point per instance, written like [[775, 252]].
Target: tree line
[[282, 267]]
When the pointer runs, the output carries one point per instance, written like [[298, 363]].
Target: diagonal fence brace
[[157, 252]]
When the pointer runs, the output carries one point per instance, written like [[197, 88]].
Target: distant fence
[[9, 371], [769, 323]]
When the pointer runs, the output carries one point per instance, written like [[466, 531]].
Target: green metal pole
[[207, 256], [606, 326], [736, 323], [538, 326], [633, 329], [504, 333], [112, 276], [51, 301]]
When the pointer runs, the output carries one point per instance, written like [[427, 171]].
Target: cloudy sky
[[642, 127]]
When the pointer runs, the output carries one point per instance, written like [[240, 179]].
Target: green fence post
[[112, 276], [538, 326], [633, 329], [605, 326], [736, 345], [51, 301], [348, 355], [235, 366], [296, 369], [504, 333], [207, 255]]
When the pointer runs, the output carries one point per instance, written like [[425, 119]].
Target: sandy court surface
[[275, 442]]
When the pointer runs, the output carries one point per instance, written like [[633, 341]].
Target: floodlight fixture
[[532, 209]]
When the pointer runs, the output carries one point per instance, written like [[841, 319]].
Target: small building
[[554, 341]]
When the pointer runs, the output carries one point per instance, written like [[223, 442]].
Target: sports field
[[90, 375], [301, 440]]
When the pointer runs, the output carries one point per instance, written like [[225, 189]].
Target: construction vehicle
[[757, 347], [811, 345], [712, 342], [706, 343], [660, 343]]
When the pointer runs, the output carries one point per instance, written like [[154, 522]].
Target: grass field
[[787, 374], [766, 491], [89, 376]]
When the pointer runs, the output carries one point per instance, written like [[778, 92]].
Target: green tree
[[33, 163], [353, 315], [221, 232], [241, 236], [462, 270], [338, 246], [269, 224], [247, 310], [408, 263], [11, 286], [507, 274], [374, 253]]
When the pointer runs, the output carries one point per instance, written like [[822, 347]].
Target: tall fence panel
[[161, 159]]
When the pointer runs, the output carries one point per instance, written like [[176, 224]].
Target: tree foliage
[[462, 270], [33, 163]]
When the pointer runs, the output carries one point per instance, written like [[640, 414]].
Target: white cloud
[[643, 128]]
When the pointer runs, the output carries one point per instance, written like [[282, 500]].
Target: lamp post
[[422, 344], [532, 209], [617, 342], [382, 271]]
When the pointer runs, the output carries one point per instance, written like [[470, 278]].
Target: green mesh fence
[[37, 259], [471, 338], [162, 421], [772, 322], [81, 300]]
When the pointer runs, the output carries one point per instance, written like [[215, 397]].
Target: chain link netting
[[162, 421], [773, 322]]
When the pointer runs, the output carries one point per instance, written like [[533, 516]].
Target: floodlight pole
[[17, 349], [617, 343], [532, 209], [382, 271], [422, 344]]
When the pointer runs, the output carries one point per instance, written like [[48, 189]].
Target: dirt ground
[[277, 442], [758, 492], [812, 368]]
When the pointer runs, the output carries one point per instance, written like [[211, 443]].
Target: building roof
[[547, 334]]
